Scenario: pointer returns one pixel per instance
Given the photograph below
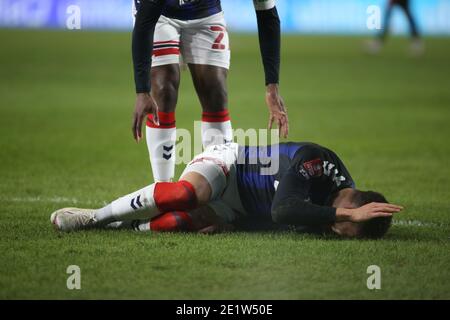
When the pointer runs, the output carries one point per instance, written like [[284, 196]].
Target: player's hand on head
[[374, 210], [145, 105], [277, 110]]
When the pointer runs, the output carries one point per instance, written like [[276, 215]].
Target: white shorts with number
[[200, 41], [217, 164]]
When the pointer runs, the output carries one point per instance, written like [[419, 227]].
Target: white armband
[[264, 4]]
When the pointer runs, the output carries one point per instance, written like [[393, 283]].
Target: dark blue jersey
[[307, 172], [191, 9]]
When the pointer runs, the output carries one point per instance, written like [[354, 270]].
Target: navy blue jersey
[[191, 9], [305, 170]]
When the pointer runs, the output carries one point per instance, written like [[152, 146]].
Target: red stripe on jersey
[[166, 120], [166, 42], [217, 28], [166, 51], [220, 116]]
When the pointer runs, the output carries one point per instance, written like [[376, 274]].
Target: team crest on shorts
[[312, 168]]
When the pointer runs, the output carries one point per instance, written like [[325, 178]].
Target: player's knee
[[173, 196], [166, 96], [201, 186], [165, 84]]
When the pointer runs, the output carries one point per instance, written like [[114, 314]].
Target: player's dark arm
[[291, 204], [269, 33], [147, 16]]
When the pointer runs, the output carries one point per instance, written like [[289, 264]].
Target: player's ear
[[335, 228], [346, 229]]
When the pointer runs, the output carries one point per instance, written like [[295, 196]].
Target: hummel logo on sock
[[168, 155], [136, 201]]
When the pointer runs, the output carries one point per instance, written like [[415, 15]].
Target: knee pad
[[175, 196]]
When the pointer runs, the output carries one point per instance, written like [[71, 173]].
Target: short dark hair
[[376, 227]]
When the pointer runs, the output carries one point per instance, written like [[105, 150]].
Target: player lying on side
[[311, 188]]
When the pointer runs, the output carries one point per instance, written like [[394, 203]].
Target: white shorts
[[218, 165], [200, 41]]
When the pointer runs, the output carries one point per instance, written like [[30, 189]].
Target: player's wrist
[[142, 95], [344, 214], [272, 87]]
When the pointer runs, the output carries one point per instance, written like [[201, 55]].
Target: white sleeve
[[133, 11], [263, 4]]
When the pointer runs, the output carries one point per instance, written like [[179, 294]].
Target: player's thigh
[[165, 75], [205, 42], [214, 165]]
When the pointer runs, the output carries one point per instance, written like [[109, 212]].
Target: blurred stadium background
[[302, 16], [66, 98]]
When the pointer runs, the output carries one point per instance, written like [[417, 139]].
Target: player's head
[[352, 198]]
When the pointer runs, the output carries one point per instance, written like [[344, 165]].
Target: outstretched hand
[[277, 110], [145, 105], [374, 210]]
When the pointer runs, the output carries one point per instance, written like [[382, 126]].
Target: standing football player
[[416, 44], [196, 31]]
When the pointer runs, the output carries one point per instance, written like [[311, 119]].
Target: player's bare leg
[[210, 83], [161, 138]]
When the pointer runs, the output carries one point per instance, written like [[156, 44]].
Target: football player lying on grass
[[233, 185]]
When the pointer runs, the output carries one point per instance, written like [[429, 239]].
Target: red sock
[[172, 221], [166, 120], [174, 196], [216, 128], [218, 116]]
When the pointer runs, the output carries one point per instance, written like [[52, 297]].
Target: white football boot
[[72, 219]]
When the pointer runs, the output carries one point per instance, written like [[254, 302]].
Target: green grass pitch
[[66, 100]]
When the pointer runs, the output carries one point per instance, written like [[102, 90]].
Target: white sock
[[134, 206], [136, 225], [161, 147], [216, 128]]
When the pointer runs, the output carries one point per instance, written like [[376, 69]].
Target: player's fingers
[[285, 126], [209, 229], [134, 127], [388, 205], [280, 127], [155, 116], [140, 118], [380, 214], [286, 130], [270, 124], [387, 209]]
